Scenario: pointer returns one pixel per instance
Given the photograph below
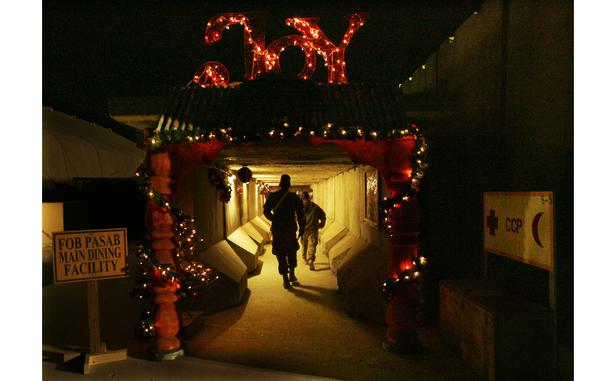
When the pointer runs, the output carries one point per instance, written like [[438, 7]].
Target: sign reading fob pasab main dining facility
[[519, 225], [89, 254]]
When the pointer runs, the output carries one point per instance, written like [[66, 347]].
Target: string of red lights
[[259, 59]]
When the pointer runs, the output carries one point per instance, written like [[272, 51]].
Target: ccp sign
[[89, 254], [519, 225]]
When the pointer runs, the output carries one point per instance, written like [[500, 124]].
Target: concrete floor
[[306, 330], [287, 334], [182, 369]]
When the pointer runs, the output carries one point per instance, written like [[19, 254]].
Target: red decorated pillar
[[165, 346], [401, 314], [399, 161]]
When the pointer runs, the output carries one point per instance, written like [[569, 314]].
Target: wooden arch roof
[[268, 106], [367, 120]]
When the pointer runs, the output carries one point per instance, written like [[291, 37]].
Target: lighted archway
[[366, 120]]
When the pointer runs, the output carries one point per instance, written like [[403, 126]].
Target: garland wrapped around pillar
[[400, 161], [401, 314], [168, 269], [399, 156], [161, 229]]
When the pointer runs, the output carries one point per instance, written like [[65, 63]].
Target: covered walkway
[[275, 334], [307, 330]]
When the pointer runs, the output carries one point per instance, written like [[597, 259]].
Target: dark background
[[95, 50]]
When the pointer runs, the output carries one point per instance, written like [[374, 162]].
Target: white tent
[[72, 147]]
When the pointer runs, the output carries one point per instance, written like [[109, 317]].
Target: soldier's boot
[[286, 282], [293, 278]]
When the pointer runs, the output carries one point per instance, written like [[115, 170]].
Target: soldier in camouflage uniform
[[281, 208], [315, 219]]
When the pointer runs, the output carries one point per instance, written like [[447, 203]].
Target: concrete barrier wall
[[254, 233], [199, 199], [337, 253], [360, 273], [243, 199], [342, 198], [223, 258], [234, 208], [331, 236], [357, 249], [245, 248], [251, 192], [214, 219], [229, 290], [244, 206], [263, 228], [509, 74]]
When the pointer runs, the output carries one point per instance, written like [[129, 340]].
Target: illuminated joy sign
[[258, 58]]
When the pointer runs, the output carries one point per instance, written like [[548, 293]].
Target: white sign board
[[519, 225], [89, 254]]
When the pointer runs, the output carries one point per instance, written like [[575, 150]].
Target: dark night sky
[[95, 50]]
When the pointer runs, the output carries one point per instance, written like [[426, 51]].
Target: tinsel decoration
[[409, 276], [417, 173], [220, 180], [188, 275], [265, 190], [292, 130], [286, 129], [193, 276], [412, 275], [145, 329], [151, 273], [282, 130]]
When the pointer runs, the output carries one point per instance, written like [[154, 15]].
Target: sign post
[[521, 226], [89, 255]]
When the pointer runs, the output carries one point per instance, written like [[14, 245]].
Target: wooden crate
[[501, 337], [477, 343], [451, 306]]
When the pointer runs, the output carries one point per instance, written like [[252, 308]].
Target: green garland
[[219, 179], [408, 277], [287, 130], [189, 276]]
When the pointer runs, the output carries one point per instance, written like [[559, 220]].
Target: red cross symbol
[[492, 222]]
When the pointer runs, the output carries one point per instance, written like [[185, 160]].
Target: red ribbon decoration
[[392, 158], [188, 156]]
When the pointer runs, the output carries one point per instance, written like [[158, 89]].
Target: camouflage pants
[[309, 242]]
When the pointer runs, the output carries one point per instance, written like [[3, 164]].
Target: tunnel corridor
[[336, 317], [307, 330], [353, 239], [370, 310]]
